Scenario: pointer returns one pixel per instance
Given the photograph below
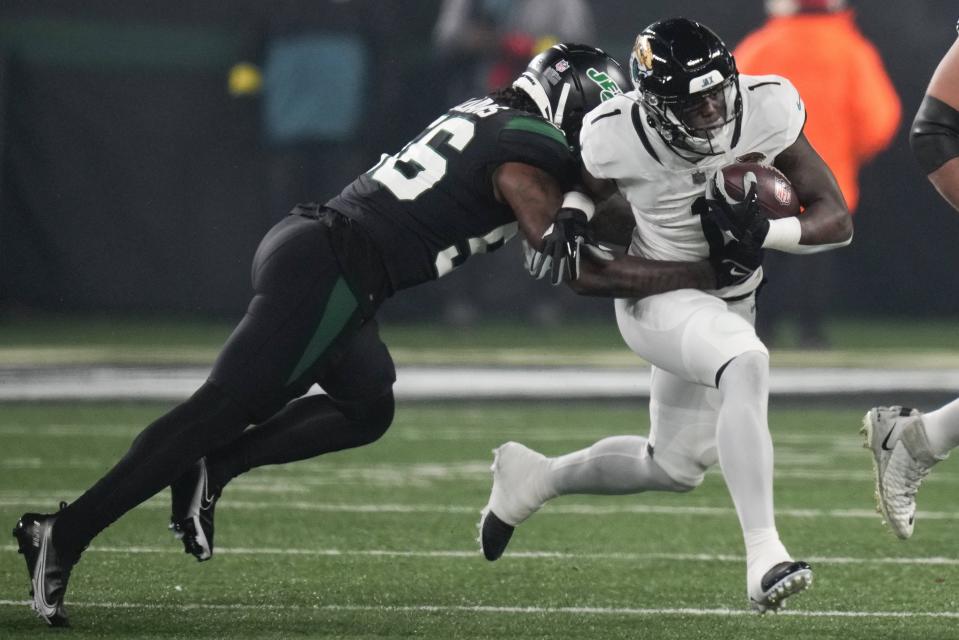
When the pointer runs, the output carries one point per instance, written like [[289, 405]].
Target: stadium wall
[[133, 181]]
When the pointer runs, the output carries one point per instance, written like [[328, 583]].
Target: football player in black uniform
[[464, 186]]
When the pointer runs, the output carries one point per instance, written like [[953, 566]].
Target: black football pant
[[305, 324]]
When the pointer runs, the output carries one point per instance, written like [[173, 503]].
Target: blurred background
[[146, 147]]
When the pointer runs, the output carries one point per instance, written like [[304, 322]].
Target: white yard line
[[474, 554], [423, 382], [161, 502], [527, 610], [307, 474], [467, 430]]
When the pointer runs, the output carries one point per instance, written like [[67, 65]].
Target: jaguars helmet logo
[[643, 52]]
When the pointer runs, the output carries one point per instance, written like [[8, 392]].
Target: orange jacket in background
[[852, 108]]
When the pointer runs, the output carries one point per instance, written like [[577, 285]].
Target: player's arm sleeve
[[535, 142], [934, 137]]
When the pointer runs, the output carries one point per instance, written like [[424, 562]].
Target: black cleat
[[783, 580], [49, 570], [494, 535], [193, 504]]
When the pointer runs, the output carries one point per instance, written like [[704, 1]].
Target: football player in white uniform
[[690, 114], [905, 442]]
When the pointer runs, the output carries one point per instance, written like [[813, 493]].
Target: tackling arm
[[634, 277], [631, 276], [825, 223], [532, 194], [535, 197]]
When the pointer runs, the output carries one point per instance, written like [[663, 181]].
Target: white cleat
[[513, 498], [901, 460], [781, 581]]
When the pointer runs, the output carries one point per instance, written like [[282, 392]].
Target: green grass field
[[379, 542], [69, 340]]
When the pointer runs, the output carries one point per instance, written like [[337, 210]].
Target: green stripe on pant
[[339, 308]]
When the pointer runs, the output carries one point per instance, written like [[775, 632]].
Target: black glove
[[734, 262], [741, 221], [562, 241]]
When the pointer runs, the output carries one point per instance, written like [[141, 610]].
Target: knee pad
[[681, 475], [372, 417], [684, 445], [682, 487], [667, 482]]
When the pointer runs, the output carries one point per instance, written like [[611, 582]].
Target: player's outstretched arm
[[535, 196], [825, 223], [634, 277]]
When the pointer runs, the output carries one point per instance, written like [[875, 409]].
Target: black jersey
[[431, 206]]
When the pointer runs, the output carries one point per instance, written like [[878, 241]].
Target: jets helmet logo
[[607, 84]]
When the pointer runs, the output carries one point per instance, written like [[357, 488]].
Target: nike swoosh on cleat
[[206, 500], [43, 607], [886, 440]]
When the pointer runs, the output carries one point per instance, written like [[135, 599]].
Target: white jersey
[[619, 144]]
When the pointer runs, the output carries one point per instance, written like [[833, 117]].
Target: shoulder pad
[[776, 110], [608, 140], [537, 126]]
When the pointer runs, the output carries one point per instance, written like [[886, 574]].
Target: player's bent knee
[[681, 477], [752, 367], [371, 418], [679, 486], [686, 488]]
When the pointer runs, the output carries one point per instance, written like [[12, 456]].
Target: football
[[777, 198]]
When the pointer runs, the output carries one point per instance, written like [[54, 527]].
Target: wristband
[[579, 200], [783, 235]]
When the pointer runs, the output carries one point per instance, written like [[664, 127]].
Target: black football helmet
[[569, 80], [688, 84]]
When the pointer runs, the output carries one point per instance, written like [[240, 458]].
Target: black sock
[[159, 455]]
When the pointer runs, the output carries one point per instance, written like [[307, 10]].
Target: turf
[[56, 340], [379, 542]]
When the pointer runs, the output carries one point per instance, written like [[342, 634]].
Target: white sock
[[942, 428], [763, 551], [612, 466], [743, 443]]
